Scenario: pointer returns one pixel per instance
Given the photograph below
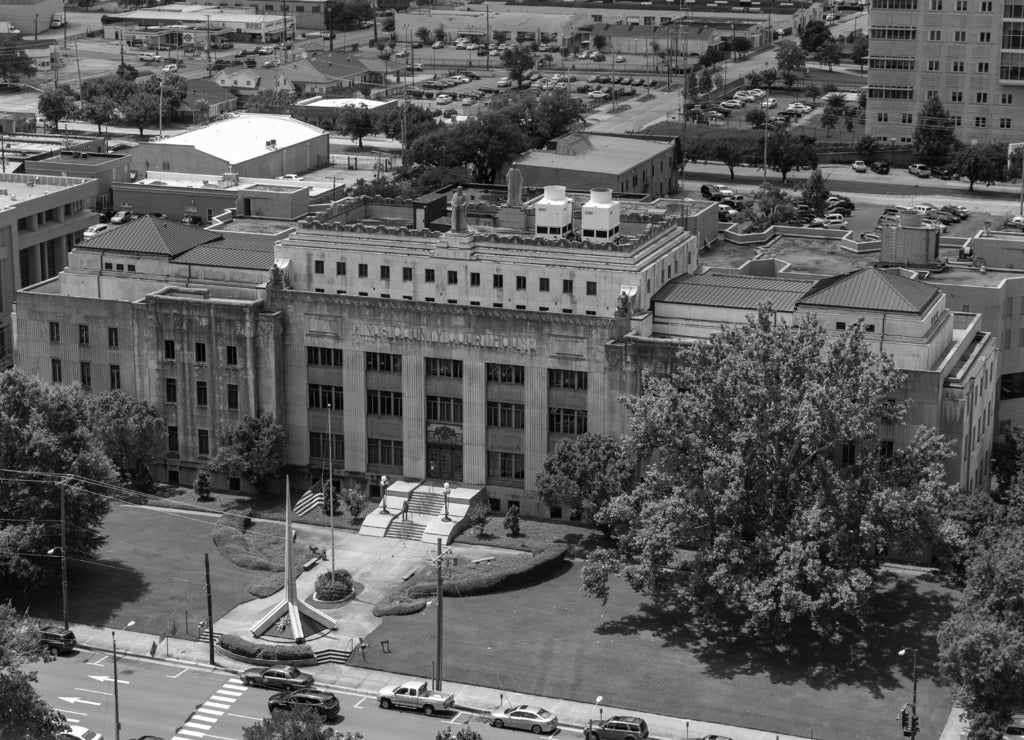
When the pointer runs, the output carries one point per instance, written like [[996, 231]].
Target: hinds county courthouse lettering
[[463, 355]]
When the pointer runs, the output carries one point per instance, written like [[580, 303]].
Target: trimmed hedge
[[229, 538], [399, 608], [544, 562], [341, 587], [283, 652]]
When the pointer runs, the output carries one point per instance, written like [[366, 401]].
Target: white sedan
[[597, 94], [525, 717], [799, 107], [859, 166], [731, 103], [769, 103]]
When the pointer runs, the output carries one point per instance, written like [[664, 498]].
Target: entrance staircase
[[408, 530], [331, 655], [426, 502]]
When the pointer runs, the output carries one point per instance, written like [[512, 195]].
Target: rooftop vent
[[600, 217], [553, 212]]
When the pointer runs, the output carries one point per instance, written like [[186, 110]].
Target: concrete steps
[[406, 530], [426, 502], [331, 655]]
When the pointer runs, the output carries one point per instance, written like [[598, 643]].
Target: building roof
[[239, 253], [244, 137], [872, 289], [152, 235], [595, 153], [730, 290], [208, 90], [345, 103]]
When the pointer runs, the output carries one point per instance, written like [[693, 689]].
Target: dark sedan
[[277, 677], [323, 702]]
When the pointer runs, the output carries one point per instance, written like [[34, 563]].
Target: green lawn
[[552, 640]]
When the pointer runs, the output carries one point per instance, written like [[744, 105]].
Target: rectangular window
[[326, 396], [318, 267], [318, 446], [437, 367], [545, 285], [453, 277], [983, 67], [935, 35], [444, 408], [956, 97], [567, 421], [985, 7], [364, 271], [509, 374], [382, 362], [384, 452], [56, 370], [960, 6], [985, 37], [85, 374], [203, 437], [569, 379], [201, 352], [498, 281], [201, 399], [956, 67], [520, 282], [112, 337], [83, 334], [115, 377], [172, 439], [1006, 99], [232, 396], [505, 415], [506, 466], [168, 349], [567, 287], [959, 37], [428, 276], [980, 122], [474, 279], [906, 117], [935, 5], [232, 354], [325, 356], [385, 272], [847, 455], [933, 65], [840, 326], [383, 403], [883, 117], [981, 97], [54, 331], [407, 274], [1005, 123], [339, 269], [170, 390], [591, 287]]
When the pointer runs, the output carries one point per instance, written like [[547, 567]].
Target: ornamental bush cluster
[[282, 652], [399, 608], [229, 538], [336, 589], [544, 562]]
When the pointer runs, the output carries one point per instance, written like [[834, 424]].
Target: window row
[[202, 440], [891, 93], [327, 356], [323, 446], [905, 33], [326, 397], [451, 277], [892, 63], [171, 351], [113, 336], [202, 397], [84, 374]]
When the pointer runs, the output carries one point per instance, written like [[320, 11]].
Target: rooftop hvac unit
[[553, 212], [600, 217]]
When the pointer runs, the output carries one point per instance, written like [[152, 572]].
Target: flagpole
[[330, 482]]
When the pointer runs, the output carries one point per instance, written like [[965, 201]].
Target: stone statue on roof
[[514, 183], [625, 307], [460, 206]]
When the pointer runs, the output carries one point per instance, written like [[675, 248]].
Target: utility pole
[[440, 618], [329, 10], [330, 481], [63, 546], [161, 111], [487, 38], [209, 43], [209, 607], [78, 61]]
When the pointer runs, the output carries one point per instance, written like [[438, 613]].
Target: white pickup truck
[[415, 695]]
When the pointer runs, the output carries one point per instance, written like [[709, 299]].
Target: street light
[[63, 555], [117, 707], [384, 495], [590, 722], [913, 706], [447, 493]]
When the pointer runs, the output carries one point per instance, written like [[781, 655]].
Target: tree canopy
[[131, 433], [56, 105], [934, 136], [984, 162], [356, 122], [584, 473], [814, 36], [302, 723], [271, 101], [518, 60], [815, 192], [23, 713], [790, 57], [14, 63], [763, 454], [253, 448]]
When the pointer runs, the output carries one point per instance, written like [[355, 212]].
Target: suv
[[323, 702], [619, 728], [881, 167], [57, 639], [714, 192]]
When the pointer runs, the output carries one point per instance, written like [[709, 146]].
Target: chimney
[[553, 213], [600, 217]]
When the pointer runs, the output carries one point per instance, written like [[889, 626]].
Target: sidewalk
[[476, 699]]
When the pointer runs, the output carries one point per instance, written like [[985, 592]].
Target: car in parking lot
[[920, 170], [323, 702], [945, 173], [292, 178], [620, 59], [830, 221], [619, 728], [402, 53], [715, 192], [839, 200], [769, 103], [597, 57], [95, 230], [525, 717], [169, 69], [880, 167], [443, 99], [731, 104], [77, 732], [272, 63], [859, 166], [57, 639], [121, 217], [597, 94], [799, 108], [503, 82], [960, 211]]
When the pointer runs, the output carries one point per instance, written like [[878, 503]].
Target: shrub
[[478, 516], [229, 538], [399, 608], [336, 589], [240, 520], [278, 652], [512, 521], [521, 573], [201, 485]]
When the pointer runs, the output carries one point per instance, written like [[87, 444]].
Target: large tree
[[763, 455], [790, 58], [131, 433], [45, 434], [984, 162], [815, 192], [356, 122], [585, 473], [518, 60], [934, 136], [814, 36], [302, 723], [859, 51], [14, 63], [56, 105], [23, 713], [141, 110], [785, 152], [270, 101], [253, 448]]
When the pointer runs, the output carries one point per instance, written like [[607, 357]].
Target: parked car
[[859, 166], [277, 677], [620, 59], [731, 103], [192, 220], [871, 236], [293, 178], [960, 211], [169, 69], [620, 728], [597, 57], [525, 717], [437, 45], [323, 702], [57, 639], [415, 695], [715, 192], [272, 63], [946, 173], [799, 108], [830, 221], [940, 227], [77, 732], [444, 99], [769, 103], [920, 170], [880, 167], [1014, 730], [836, 199], [503, 82], [402, 53], [121, 217], [150, 57]]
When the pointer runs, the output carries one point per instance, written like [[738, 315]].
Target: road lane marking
[[356, 705], [236, 681], [94, 691], [455, 719], [205, 716], [179, 672], [228, 692], [98, 662], [68, 711], [216, 705], [245, 716], [209, 711], [77, 700], [109, 678], [193, 733], [221, 737], [198, 725]]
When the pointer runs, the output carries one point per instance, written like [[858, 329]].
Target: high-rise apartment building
[[968, 53]]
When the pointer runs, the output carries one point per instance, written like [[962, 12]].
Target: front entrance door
[[444, 462]]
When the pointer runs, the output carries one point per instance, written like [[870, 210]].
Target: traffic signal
[[905, 720], [915, 727]]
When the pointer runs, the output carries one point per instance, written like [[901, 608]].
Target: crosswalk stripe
[[198, 725], [216, 705], [214, 712], [193, 733]]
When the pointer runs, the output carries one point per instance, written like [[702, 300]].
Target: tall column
[[354, 374], [414, 417], [474, 422], [598, 399], [535, 436]]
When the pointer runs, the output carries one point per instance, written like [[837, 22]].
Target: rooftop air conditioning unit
[[600, 217], [553, 213]]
